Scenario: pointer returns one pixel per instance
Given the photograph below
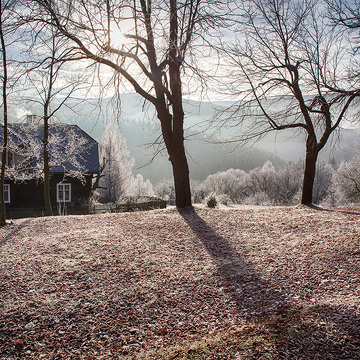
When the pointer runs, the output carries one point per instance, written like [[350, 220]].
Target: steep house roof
[[85, 158]]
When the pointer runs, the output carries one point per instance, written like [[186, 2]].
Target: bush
[[211, 201], [346, 182], [260, 198], [223, 199]]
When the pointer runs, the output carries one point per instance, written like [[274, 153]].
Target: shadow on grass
[[349, 211], [15, 229], [314, 332]]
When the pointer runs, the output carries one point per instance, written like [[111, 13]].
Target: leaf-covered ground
[[276, 283]]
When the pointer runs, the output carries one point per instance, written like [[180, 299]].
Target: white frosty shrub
[[231, 182], [262, 185], [197, 191], [323, 181], [223, 199], [346, 181], [165, 189], [259, 198], [140, 188], [289, 184]]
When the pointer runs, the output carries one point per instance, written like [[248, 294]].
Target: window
[[63, 192], [7, 193]]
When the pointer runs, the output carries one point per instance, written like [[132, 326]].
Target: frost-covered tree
[[66, 144], [261, 186], [347, 181], [140, 187], [262, 180], [165, 189], [117, 172], [289, 181], [197, 191], [323, 180], [232, 183], [265, 185]]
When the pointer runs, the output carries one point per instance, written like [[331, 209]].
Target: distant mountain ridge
[[138, 124]]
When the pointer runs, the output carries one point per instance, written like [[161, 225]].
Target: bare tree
[[297, 73], [345, 16], [149, 44], [345, 12], [6, 31], [51, 79]]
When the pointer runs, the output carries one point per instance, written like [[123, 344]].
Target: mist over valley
[[137, 123]]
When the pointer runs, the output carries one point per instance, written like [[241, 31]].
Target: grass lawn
[[265, 283]]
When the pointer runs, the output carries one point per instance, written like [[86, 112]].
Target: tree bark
[[5, 140], [52, 79], [3, 164], [309, 172], [181, 177], [177, 152], [173, 135], [47, 199]]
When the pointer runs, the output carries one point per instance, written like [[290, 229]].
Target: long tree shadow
[[290, 326], [350, 211], [252, 295], [15, 229]]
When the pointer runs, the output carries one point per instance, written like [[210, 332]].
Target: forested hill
[[138, 125]]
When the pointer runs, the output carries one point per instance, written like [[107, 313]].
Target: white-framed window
[[7, 193], [63, 192]]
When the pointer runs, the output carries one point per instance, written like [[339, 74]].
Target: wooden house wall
[[31, 193]]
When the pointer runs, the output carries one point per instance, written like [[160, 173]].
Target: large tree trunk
[[177, 156], [177, 150], [181, 177], [179, 162], [47, 199], [5, 140], [3, 163], [309, 172], [173, 135]]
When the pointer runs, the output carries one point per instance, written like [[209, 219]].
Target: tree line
[[276, 186], [303, 54], [276, 182]]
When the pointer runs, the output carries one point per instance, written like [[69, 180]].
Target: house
[[73, 160]]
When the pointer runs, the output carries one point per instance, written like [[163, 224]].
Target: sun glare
[[118, 38]]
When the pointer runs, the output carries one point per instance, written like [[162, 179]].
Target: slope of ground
[[277, 283]]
